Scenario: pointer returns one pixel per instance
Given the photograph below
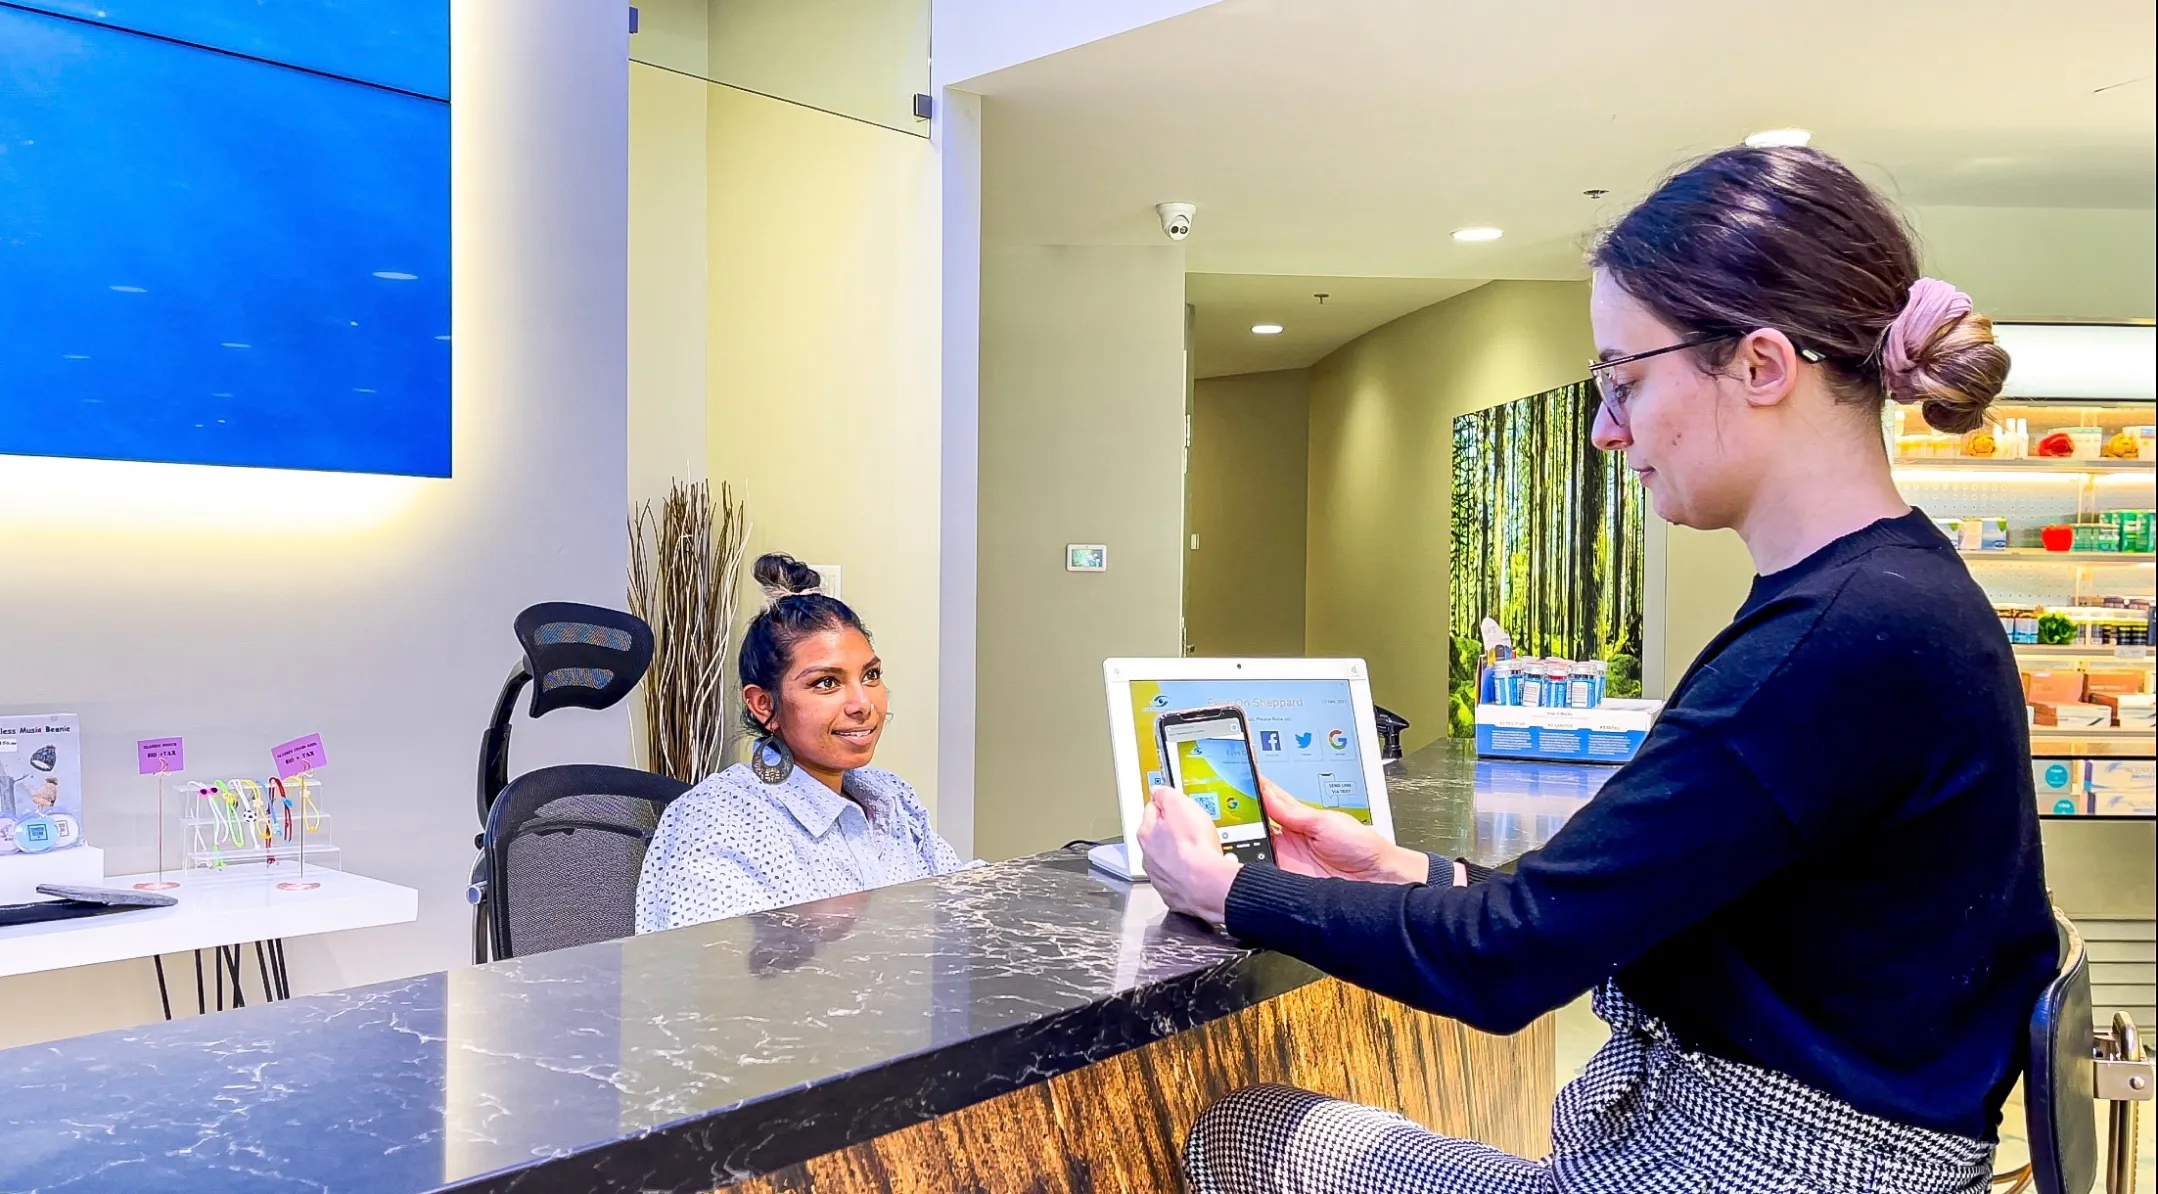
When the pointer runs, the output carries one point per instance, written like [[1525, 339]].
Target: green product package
[[2135, 528], [2055, 630]]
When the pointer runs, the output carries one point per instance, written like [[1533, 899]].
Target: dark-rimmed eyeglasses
[[1613, 395]]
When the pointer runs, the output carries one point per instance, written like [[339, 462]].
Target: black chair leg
[[164, 998], [228, 958], [284, 975]]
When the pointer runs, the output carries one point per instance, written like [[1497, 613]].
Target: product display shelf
[[2028, 493], [2085, 559], [2132, 656], [2071, 742], [2066, 465]]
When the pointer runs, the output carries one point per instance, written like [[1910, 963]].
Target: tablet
[[1311, 724]]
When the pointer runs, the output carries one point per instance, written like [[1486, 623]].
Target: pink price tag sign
[[298, 756], [160, 755]]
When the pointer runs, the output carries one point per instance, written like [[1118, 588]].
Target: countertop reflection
[[688, 1059], [1489, 811]]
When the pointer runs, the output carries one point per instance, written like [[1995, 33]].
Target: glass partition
[[865, 59]]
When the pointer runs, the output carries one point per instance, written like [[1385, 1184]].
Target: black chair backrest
[[2057, 1089], [575, 656], [565, 846], [582, 656]]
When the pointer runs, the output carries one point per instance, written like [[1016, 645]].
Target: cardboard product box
[[2052, 687], [2071, 714], [1608, 733], [2123, 787], [2131, 710], [2060, 787], [2098, 681]]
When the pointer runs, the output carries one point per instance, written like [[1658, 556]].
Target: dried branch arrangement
[[684, 560]]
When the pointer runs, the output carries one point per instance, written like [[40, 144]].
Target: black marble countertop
[[687, 1059]]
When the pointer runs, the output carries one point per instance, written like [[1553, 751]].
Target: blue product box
[[1609, 733], [2060, 786]]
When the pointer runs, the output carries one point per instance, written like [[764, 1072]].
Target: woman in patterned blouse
[[807, 818]]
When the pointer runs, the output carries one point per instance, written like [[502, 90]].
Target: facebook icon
[[1270, 741]]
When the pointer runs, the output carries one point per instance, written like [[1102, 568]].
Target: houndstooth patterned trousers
[[1645, 1117]]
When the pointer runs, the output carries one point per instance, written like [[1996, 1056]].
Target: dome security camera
[[1176, 218]]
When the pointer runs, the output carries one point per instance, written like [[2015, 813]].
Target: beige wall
[[669, 303], [1244, 580], [1082, 404], [822, 355], [1382, 410], [2042, 263], [1706, 577], [242, 607]]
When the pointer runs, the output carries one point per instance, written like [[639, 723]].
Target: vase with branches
[[684, 561]]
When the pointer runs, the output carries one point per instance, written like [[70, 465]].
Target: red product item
[[2058, 538], [2057, 445]]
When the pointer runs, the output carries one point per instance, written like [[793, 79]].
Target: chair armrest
[[2123, 1073]]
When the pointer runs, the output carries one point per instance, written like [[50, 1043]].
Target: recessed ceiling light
[[1479, 233], [1266, 329], [1776, 138]]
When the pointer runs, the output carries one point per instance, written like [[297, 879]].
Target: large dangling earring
[[771, 760]]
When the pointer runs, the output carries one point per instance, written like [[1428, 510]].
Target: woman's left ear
[[1767, 364]]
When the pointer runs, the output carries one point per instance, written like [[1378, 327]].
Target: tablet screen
[[1304, 733]]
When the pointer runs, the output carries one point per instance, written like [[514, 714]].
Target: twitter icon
[[1303, 742]]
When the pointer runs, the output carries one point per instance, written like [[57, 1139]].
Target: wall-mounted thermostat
[[1086, 557]]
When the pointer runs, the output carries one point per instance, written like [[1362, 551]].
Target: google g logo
[[1337, 739]]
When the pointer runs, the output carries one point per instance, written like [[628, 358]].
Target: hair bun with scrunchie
[[1939, 352]]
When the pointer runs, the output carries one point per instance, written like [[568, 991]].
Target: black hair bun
[[779, 575]]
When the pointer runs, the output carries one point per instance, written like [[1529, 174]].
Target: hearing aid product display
[[40, 783], [1553, 709]]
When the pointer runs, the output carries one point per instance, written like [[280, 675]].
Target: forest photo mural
[[1547, 540]]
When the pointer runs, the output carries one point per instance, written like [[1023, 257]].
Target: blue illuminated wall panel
[[224, 237]]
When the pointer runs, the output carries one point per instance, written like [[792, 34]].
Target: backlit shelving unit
[[2062, 376]]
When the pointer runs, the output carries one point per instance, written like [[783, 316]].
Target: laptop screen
[[1303, 733]]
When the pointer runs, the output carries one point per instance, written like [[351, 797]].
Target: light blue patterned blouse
[[734, 845]]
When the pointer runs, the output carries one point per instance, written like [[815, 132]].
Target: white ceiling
[[1349, 138], [1225, 306]]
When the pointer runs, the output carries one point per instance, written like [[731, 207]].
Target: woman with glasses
[[1812, 909]]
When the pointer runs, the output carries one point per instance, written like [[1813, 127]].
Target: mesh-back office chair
[[563, 846], [2070, 1065]]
